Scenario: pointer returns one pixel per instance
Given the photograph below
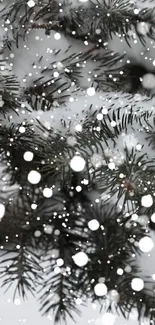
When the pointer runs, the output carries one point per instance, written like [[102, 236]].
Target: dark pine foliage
[[40, 236]]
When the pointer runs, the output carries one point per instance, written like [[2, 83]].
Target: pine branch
[[59, 225], [150, 134], [10, 94], [14, 142], [112, 237], [59, 291], [113, 17], [44, 93], [56, 148], [69, 234], [20, 264], [129, 75], [126, 180], [142, 301], [59, 296]]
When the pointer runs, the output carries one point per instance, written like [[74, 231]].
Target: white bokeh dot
[[136, 11], [100, 289], [34, 177], [78, 301], [137, 284], [104, 111], [99, 116], [148, 81], [37, 233], [57, 36], [48, 230], [17, 301], [2, 210], [120, 271], [146, 244], [93, 224], [77, 163], [59, 65], [113, 124], [12, 55], [108, 319], [57, 270], [60, 261], [78, 127], [91, 91], [57, 232], [147, 201], [47, 192], [31, 3], [128, 269], [153, 217], [33, 206], [78, 188], [138, 147], [80, 259], [22, 129], [98, 31], [28, 156], [111, 165], [56, 74]]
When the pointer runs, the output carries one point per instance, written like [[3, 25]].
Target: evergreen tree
[[77, 153]]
